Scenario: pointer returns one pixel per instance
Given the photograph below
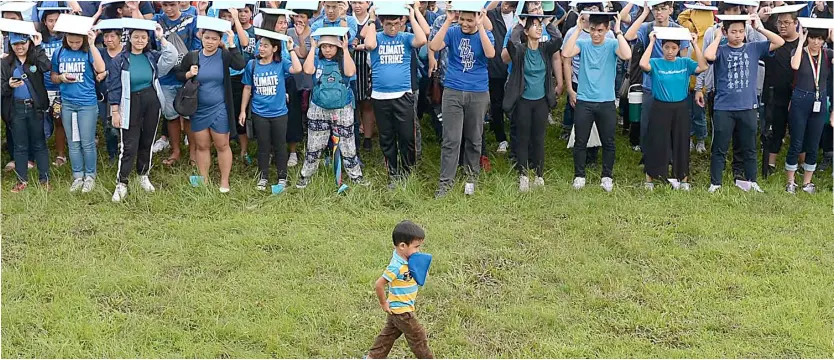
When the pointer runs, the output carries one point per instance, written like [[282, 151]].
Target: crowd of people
[[331, 74]]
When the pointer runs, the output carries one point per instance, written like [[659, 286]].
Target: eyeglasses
[[784, 22]]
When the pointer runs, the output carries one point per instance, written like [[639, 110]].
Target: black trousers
[[137, 140], [604, 114], [531, 122], [295, 118], [272, 140], [496, 111], [779, 122], [669, 125], [395, 120], [237, 95]]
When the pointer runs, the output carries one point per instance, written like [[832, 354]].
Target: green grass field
[[554, 273]]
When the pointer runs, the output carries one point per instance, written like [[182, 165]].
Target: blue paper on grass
[[277, 189], [196, 180], [418, 265]]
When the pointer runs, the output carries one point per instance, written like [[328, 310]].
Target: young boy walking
[[402, 290]]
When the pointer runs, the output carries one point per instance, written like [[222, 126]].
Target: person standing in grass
[[736, 102], [265, 84], [76, 66], [408, 237], [808, 105], [393, 99], [136, 71], [669, 121], [527, 95], [24, 100], [466, 94], [244, 39], [595, 94]]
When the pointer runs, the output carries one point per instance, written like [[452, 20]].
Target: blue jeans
[[806, 129], [27, 125], [698, 119], [82, 153]]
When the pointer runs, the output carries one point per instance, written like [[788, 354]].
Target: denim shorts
[[170, 92]]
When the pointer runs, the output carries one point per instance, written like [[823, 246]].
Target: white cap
[[271, 34], [393, 8], [817, 23], [273, 11], [468, 6], [211, 23], [784, 9], [73, 24], [672, 33], [17, 6], [17, 27], [701, 7], [302, 5], [733, 17]]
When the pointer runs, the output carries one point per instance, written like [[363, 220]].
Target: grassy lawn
[[554, 273]]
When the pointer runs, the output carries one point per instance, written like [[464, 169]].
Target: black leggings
[[272, 140], [668, 128], [139, 137], [531, 122]]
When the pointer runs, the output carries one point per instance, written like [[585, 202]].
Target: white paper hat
[[468, 6], [302, 5], [817, 23], [17, 6], [224, 5], [211, 23], [17, 27], [273, 11], [73, 24], [271, 34], [109, 24], [787, 9], [394, 8], [743, 2], [672, 33], [733, 17], [701, 7]]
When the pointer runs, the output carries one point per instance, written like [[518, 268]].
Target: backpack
[[331, 90], [185, 103]]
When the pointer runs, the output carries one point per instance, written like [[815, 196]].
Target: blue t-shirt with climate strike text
[[79, 64], [269, 92], [49, 48], [391, 63], [467, 62]]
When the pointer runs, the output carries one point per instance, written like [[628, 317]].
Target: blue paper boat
[[418, 265]]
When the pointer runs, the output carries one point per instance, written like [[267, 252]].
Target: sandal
[[170, 161], [59, 161]]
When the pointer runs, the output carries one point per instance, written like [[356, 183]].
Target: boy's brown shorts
[[401, 324]]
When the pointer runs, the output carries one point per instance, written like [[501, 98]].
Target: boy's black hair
[[111, 10], [309, 13], [663, 42], [595, 20], [728, 23], [663, 4], [383, 18], [724, 6], [794, 15], [406, 231], [582, 6], [814, 33]]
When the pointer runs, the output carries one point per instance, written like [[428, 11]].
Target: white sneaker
[[550, 119], [713, 188], [145, 183], [539, 182], [160, 144], [502, 147], [185, 139], [293, 160], [685, 186], [77, 184], [743, 185], [523, 183], [700, 147], [578, 183], [607, 184], [120, 193], [675, 183], [89, 184], [755, 187], [469, 189], [262, 184], [225, 190], [809, 188]]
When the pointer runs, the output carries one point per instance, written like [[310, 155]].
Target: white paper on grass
[[671, 33], [73, 24], [816, 23], [787, 9], [593, 139], [210, 23], [271, 34], [701, 7], [17, 27]]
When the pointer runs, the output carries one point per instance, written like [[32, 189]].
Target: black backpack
[[185, 103]]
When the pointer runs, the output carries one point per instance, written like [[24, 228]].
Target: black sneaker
[[769, 170], [367, 144]]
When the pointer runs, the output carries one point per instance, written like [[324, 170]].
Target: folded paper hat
[[392, 8], [138, 24], [743, 2], [468, 6], [271, 34], [817, 23], [701, 7], [224, 5], [210, 23], [670, 33], [109, 24], [418, 265], [273, 11], [17, 6], [733, 17], [650, 3], [574, 3], [17, 27], [784, 9], [73, 24], [302, 5], [330, 35]]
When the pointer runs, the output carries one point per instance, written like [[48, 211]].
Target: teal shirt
[[534, 72], [670, 79], [597, 70], [141, 72]]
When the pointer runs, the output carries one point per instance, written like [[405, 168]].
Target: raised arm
[[625, 13], [631, 34], [348, 65], [699, 55], [309, 66], [421, 20], [712, 50], [623, 49], [645, 60], [486, 44], [369, 32], [570, 49], [776, 41], [241, 34], [439, 41], [419, 32], [296, 63], [796, 58]]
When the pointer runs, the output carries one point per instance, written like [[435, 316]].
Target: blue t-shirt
[[545, 38], [736, 75], [49, 48], [391, 63], [186, 27], [671, 78], [21, 92], [598, 70], [643, 37], [269, 87], [583, 35], [249, 51], [534, 73], [80, 64], [210, 77], [467, 62], [320, 67]]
